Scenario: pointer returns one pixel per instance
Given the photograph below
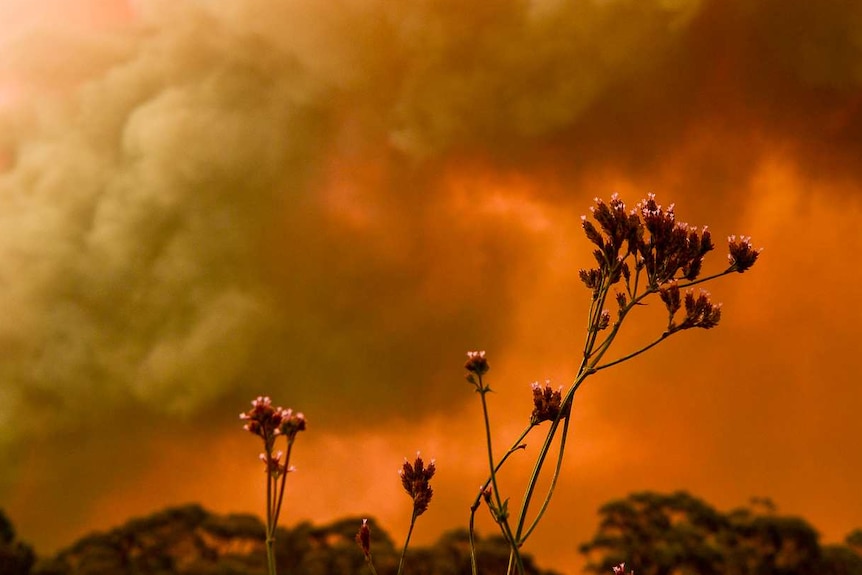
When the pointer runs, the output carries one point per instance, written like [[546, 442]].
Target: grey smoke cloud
[[146, 183]]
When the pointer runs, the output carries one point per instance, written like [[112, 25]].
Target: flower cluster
[[364, 538], [546, 404], [268, 423], [476, 363], [415, 479], [672, 247], [699, 310], [742, 255], [476, 367], [662, 247]]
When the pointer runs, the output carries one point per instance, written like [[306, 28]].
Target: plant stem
[[471, 531], [546, 502], [370, 564], [501, 514], [406, 543], [270, 555], [663, 336], [270, 525], [277, 510]]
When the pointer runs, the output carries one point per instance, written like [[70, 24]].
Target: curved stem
[[406, 543], [501, 514], [277, 510], [534, 477], [547, 501], [592, 355], [664, 336], [370, 564], [471, 530]]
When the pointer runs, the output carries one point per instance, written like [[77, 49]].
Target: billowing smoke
[[167, 236], [330, 202]]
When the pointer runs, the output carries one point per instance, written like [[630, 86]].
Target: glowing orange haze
[[399, 250], [761, 406]]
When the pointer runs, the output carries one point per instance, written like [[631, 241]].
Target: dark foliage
[[191, 541], [678, 534], [16, 558]]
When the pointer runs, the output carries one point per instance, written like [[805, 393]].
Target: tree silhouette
[[16, 557], [678, 534]]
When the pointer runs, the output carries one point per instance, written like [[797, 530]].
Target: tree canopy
[[679, 534]]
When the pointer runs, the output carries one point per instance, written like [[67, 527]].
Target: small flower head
[[272, 464], [486, 495], [291, 424], [742, 255], [476, 363], [621, 570], [604, 320], [415, 478], [268, 422], [364, 538], [700, 311], [546, 403], [262, 419], [592, 278], [669, 294], [672, 249], [622, 301]]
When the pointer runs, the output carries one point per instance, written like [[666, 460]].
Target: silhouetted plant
[[639, 253], [269, 423]]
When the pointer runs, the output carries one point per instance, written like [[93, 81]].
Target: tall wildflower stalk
[[639, 253], [416, 480], [269, 423]]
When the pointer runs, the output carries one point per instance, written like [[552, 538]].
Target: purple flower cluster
[[546, 403], [415, 478], [662, 247], [268, 423], [699, 310]]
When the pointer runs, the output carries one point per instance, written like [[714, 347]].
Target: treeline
[[679, 534], [189, 540], [653, 533]]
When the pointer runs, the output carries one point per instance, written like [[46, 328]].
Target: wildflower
[[263, 419], [364, 539], [621, 301], [267, 421], [291, 424], [476, 363], [669, 294], [742, 256], [617, 225], [415, 480], [673, 247], [700, 312], [486, 495], [604, 320], [592, 233], [592, 278], [546, 403], [272, 463]]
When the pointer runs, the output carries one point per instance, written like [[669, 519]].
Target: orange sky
[[330, 204]]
